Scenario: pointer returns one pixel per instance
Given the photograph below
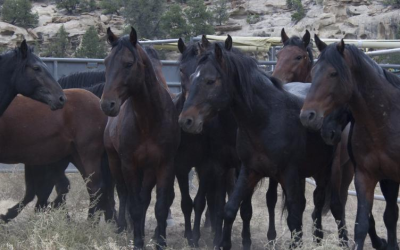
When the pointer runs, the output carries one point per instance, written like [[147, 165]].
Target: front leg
[[245, 184]]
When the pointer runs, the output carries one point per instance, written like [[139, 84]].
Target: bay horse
[[142, 134], [22, 72], [271, 141], [213, 153], [294, 64], [346, 76], [70, 134]]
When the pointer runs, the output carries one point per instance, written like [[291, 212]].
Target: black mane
[[298, 42], [359, 58], [82, 79], [125, 42], [245, 70]]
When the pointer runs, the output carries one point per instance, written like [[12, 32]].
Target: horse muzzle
[[190, 124], [110, 107], [310, 119]]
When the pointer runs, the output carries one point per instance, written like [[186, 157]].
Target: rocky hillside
[[352, 19]]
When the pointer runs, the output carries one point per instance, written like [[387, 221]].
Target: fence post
[[55, 69]]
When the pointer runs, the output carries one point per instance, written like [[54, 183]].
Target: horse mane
[[125, 42], [96, 89], [82, 79], [244, 70], [151, 52], [13, 59], [298, 42]]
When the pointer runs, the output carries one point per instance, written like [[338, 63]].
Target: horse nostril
[[332, 134], [62, 99], [311, 115], [189, 121], [112, 105]]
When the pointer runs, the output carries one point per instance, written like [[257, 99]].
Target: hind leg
[[246, 212], [390, 190], [272, 198], [377, 242], [186, 202]]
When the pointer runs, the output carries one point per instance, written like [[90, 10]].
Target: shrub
[[199, 18], [19, 12], [69, 5], [299, 10], [173, 22], [58, 46], [394, 3], [220, 11], [252, 19], [91, 46], [110, 6]]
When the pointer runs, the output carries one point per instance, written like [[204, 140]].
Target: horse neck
[[148, 99], [264, 104], [7, 88], [371, 104]]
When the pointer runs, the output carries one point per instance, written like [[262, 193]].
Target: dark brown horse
[[271, 141], [22, 72], [346, 76], [142, 135], [34, 135], [294, 64]]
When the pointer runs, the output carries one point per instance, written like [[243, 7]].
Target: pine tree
[[110, 6], [69, 5], [199, 18], [145, 16], [173, 22], [91, 46], [19, 12], [221, 11], [58, 46]]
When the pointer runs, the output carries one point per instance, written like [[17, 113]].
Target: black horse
[[22, 72], [271, 141]]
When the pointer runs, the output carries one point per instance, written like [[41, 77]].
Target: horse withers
[[22, 72], [142, 134]]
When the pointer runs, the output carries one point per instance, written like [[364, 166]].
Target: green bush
[[252, 19], [299, 10], [394, 3], [173, 22], [91, 46], [19, 12], [145, 16], [87, 5], [110, 6], [199, 18], [59, 44], [220, 11], [69, 5]]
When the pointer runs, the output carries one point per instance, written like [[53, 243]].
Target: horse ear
[[201, 49], [181, 45], [320, 44], [284, 36], [133, 37], [24, 49], [228, 43], [204, 42], [218, 53], [340, 47], [110, 36], [306, 39]]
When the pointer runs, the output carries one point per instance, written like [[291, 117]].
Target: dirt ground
[[12, 189]]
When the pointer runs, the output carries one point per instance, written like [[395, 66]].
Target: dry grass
[[52, 229]]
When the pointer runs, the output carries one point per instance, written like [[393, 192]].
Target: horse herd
[[232, 121]]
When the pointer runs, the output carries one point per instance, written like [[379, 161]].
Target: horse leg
[[89, 167], [61, 182], [272, 198], [199, 205], [186, 202], [365, 186], [211, 203], [390, 190], [30, 178], [165, 187], [122, 189], [220, 195], [148, 183], [295, 201], [246, 212], [377, 242], [245, 184]]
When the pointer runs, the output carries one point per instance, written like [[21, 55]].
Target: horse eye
[[299, 57], [36, 68], [210, 82], [128, 65], [334, 74]]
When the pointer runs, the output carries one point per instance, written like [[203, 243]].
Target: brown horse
[[345, 76], [294, 64], [270, 142], [34, 135], [22, 72], [141, 137]]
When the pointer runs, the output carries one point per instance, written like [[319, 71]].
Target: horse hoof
[[225, 245], [382, 245], [4, 219]]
